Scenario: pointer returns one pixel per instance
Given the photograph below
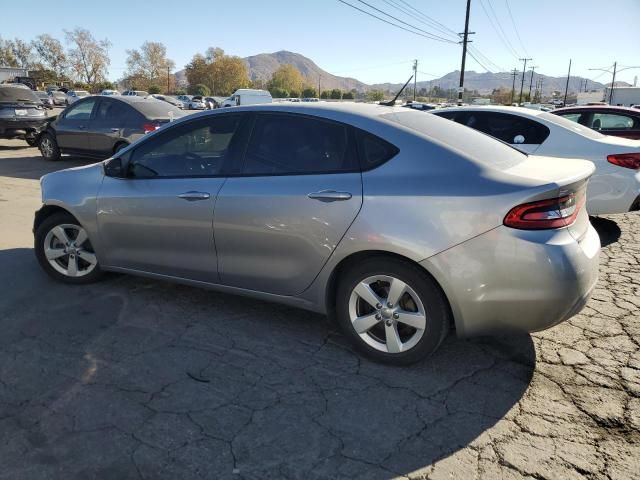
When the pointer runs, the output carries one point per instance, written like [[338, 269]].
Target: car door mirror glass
[[113, 168], [518, 139]]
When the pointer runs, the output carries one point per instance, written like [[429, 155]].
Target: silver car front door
[[299, 191], [159, 218]]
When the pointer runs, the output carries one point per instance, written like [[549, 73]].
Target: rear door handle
[[194, 196], [329, 196], [115, 130]]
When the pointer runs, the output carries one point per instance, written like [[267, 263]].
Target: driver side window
[[195, 149]]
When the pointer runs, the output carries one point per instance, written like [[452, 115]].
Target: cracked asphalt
[[139, 379]]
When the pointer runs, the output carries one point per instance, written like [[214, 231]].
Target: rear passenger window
[[373, 151], [611, 121], [511, 129], [287, 144]]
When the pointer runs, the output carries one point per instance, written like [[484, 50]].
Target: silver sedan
[[401, 225]]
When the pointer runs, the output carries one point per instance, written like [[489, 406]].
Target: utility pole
[[531, 81], [566, 88], [613, 82], [168, 74], [514, 74], [465, 40], [319, 77], [415, 78], [541, 80], [524, 69]]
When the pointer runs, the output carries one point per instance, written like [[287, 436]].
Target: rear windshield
[[154, 109], [573, 126], [482, 148], [17, 94]]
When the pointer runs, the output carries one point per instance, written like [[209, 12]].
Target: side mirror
[[114, 168]]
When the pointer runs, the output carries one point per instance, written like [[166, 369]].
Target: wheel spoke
[[413, 319], [81, 238], [72, 268], [88, 257], [60, 234], [394, 344], [396, 290], [364, 323], [53, 253], [365, 292]]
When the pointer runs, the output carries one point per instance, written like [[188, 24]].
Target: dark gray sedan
[[99, 126]]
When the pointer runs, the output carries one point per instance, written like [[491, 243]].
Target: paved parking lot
[[134, 378]]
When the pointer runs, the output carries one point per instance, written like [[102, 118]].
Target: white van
[[247, 96]]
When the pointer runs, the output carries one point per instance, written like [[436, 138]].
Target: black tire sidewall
[[39, 237], [435, 304]]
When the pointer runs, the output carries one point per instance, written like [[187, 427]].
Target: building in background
[[7, 74], [624, 96], [594, 96]]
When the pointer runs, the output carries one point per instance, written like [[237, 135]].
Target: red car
[[608, 120]]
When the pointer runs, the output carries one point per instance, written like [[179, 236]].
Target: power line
[[478, 61], [421, 17], [486, 59], [504, 41], [430, 36], [405, 23], [516, 28]]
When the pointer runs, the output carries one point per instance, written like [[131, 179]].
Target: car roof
[[494, 108], [613, 108]]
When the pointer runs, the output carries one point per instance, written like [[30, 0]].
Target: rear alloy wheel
[[64, 250], [49, 147], [392, 311]]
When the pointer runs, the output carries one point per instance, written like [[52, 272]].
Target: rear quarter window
[[373, 151]]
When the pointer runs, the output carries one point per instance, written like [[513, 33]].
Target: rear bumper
[[21, 127], [515, 280]]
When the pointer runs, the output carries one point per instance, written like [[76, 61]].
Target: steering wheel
[[193, 162]]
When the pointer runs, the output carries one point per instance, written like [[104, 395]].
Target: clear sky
[[346, 42]]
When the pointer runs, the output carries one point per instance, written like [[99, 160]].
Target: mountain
[[262, 66], [486, 82]]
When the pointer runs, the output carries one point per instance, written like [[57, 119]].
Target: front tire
[[49, 147], [391, 310], [64, 250]]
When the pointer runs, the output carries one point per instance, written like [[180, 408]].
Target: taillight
[[150, 127], [626, 160], [545, 214]]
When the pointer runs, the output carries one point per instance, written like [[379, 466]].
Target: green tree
[[154, 89], [336, 94], [200, 89], [88, 57], [325, 94], [309, 92], [6, 54], [287, 77], [294, 94], [348, 96], [375, 95], [279, 93]]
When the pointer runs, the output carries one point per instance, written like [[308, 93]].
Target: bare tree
[[50, 54], [88, 57], [6, 54], [150, 64], [22, 53]]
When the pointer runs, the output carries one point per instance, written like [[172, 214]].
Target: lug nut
[[389, 323], [396, 316], [378, 316], [378, 306], [390, 305]]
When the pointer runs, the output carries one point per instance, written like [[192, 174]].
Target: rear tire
[[64, 250], [49, 147], [391, 310]]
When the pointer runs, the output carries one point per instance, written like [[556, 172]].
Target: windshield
[[58, 94], [81, 93], [573, 126], [17, 94]]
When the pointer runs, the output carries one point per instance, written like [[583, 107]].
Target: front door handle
[[329, 196], [194, 196]]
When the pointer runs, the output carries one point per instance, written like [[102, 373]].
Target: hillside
[[262, 66]]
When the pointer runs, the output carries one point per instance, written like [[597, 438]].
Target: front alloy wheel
[[69, 251], [64, 250]]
